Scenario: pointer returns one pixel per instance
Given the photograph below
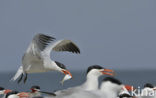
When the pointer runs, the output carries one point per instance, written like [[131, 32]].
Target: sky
[[116, 34]]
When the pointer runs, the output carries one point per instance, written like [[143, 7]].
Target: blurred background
[[117, 34]]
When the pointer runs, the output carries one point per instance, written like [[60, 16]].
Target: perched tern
[[37, 59], [111, 87], [91, 83], [148, 91]]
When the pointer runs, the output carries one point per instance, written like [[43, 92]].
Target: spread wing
[[62, 45], [38, 44], [66, 45]]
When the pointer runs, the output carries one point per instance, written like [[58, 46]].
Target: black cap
[[1, 88], [148, 85], [36, 87], [94, 67], [113, 80], [60, 65]]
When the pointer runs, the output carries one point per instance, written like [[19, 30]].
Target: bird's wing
[[62, 45], [38, 44]]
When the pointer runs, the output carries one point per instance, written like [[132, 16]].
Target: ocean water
[[51, 81]]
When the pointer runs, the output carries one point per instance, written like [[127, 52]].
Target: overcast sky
[[117, 34]]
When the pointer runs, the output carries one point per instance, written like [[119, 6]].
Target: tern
[[111, 87], [37, 59], [91, 83], [148, 91]]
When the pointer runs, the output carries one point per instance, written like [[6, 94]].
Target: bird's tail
[[18, 73]]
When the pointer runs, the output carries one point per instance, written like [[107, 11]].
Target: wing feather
[[62, 45], [39, 43], [42, 40], [66, 45]]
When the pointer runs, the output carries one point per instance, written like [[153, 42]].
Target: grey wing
[[66, 45], [39, 43], [61, 45], [33, 53]]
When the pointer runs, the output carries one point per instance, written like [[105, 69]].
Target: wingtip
[[78, 51], [46, 35]]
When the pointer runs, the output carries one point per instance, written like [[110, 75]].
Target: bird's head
[[148, 85], [96, 70], [115, 85], [111, 83], [35, 88], [62, 68], [1, 90]]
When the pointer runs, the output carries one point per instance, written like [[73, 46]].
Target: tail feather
[[18, 73]]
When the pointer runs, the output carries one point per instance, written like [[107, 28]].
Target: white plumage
[[91, 84], [37, 57]]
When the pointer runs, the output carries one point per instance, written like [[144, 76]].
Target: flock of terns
[[37, 59]]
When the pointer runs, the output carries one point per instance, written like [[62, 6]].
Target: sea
[[51, 81]]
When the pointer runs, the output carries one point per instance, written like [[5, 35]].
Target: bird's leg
[[20, 79], [25, 79]]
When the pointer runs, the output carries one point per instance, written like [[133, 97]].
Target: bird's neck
[[51, 65], [91, 82], [107, 89]]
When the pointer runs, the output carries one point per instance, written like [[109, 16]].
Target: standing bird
[[91, 83], [37, 59], [148, 91], [111, 88]]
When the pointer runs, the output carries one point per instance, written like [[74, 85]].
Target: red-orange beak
[[7, 91], [107, 72], [33, 90], [129, 88], [67, 72], [23, 95], [154, 88]]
